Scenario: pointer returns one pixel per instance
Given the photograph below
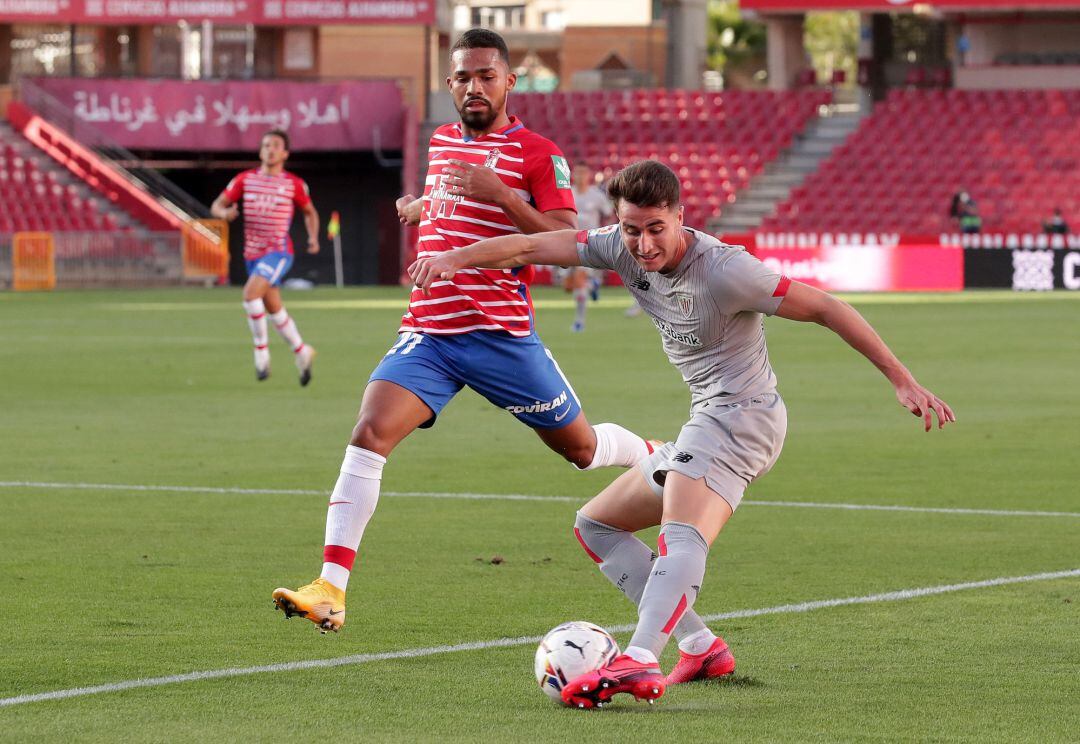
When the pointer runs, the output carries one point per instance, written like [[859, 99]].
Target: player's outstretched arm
[[557, 248], [807, 304]]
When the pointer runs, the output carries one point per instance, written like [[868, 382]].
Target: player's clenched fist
[[408, 209], [475, 182], [426, 271]]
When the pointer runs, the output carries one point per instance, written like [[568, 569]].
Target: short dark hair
[[646, 183], [277, 133], [481, 38]]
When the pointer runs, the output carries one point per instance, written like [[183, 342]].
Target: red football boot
[[714, 663], [623, 674]]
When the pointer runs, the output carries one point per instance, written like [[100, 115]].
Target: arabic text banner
[[232, 115]]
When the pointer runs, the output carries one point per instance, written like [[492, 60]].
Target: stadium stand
[[716, 142], [1016, 152], [36, 195]]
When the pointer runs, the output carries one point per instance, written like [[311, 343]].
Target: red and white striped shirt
[[268, 205], [483, 299]]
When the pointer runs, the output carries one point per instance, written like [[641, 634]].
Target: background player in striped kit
[[269, 194], [487, 175], [707, 300]]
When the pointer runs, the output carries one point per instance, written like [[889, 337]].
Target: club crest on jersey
[[686, 304], [493, 158]]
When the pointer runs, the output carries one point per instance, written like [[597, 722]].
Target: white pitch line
[[413, 653], [925, 509], [520, 497]]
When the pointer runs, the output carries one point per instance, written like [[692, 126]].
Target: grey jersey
[[708, 311]]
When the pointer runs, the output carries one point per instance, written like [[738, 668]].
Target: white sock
[[286, 328], [256, 314], [617, 446], [644, 655], [698, 643], [581, 300], [351, 505]]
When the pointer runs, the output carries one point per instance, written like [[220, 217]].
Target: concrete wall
[[1034, 77], [608, 12], [376, 51], [988, 40], [643, 48]]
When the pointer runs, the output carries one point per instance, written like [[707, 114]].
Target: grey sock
[[673, 585], [626, 562]]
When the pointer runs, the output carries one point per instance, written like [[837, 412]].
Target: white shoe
[[304, 358], [262, 364]]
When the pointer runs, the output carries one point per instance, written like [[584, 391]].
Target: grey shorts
[[728, 445]]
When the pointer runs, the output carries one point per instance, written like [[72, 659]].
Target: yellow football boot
[[320, 602]]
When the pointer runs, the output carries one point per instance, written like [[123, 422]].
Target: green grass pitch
[[156, 388]]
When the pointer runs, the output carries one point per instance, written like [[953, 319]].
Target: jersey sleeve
[[234, 192], [599, 248], [301, 193], [741, 282], [547, 176]]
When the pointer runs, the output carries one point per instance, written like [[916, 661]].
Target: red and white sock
[[256, 314], [351, 505], [617, 446], [286, 328]]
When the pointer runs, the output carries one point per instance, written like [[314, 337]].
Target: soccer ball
[[570, 650]]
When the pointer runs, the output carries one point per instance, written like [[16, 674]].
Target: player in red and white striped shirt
[[269, 195], [487, 176]]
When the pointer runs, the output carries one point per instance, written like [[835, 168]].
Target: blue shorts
[[272, 267], [518, 375]]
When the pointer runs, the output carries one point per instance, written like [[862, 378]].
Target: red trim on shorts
[[340, 555], [661, 544], [675, 616], [582, 237], [782, 287], [594, 556], [648, 446]]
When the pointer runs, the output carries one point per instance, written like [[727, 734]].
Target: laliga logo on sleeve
[[562, 172]]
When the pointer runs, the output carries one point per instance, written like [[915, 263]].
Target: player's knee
[[579, 455], [367, 435]]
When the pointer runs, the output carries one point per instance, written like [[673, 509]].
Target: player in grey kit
[[707, 299]]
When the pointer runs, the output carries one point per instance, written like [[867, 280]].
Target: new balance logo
[[641, 283], [683, 457]]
